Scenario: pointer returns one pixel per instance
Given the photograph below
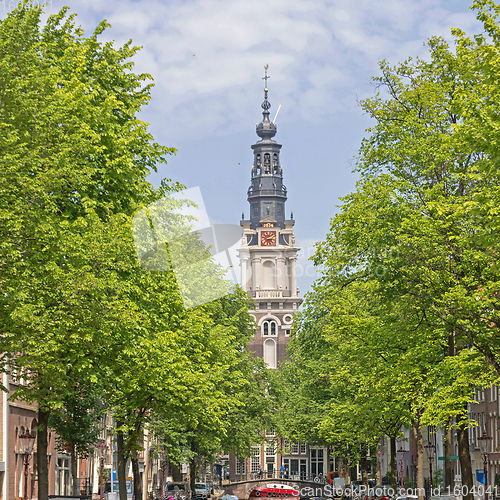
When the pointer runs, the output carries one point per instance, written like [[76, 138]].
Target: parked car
[[177, 490], [130, 488], [201, 490]]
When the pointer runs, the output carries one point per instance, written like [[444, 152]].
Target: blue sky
[[207, 59]]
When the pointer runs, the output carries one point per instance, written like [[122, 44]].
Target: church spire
[[267, 193]]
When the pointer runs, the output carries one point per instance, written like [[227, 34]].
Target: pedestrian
[[261, 472], [282, 471]]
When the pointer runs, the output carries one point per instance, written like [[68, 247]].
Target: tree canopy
[[403, 321], [78, 307]]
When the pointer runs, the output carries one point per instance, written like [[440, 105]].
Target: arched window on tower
[[267, 163], [258, 164], [269, 328], [275, 163]]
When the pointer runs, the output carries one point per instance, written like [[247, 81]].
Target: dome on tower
[[266, 129]]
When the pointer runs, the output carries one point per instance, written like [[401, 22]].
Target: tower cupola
[[266, 129]]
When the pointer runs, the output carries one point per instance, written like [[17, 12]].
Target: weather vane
[[266, 77]]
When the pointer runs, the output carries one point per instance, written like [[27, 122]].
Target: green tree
[[413, 225], [225, 407], [74, 157], [421, 227]]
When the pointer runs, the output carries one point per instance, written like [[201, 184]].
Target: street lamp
[[102, 447], [483, 444], [401, 465], [28, 442], [430, 447]]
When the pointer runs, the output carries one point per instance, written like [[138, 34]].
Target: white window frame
[[255, 455], [269, 325], [241, 466], [271, 449]]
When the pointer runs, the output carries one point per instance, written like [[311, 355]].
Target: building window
[[317, 464], [267, 163], [63, 475], [255, 458], [295, 448], [286, 447], [241, 466], [303, 468], [269, 327], [302, 448], [270, 449]]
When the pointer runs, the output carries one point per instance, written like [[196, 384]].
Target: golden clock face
[[268, 238]]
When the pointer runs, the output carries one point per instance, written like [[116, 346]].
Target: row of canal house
[[18, 454], [484, 447]]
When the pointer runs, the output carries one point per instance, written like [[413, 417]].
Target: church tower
[[268, 253]]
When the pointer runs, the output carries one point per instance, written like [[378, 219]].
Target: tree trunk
[[447, 455], [340, 466], [449, 429], [363, 464], [464, 455], [147, 471], [74, 472], [394, 463], [379, 469], [41, 453], [176, 472], [137, 476], [417, 433], [120, 451], [192, 466]]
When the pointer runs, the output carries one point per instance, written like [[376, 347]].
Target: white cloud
[[204, 54]]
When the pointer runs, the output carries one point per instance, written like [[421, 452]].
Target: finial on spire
[[266, 77], [266, 104], [291, 215], [242, 215]]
